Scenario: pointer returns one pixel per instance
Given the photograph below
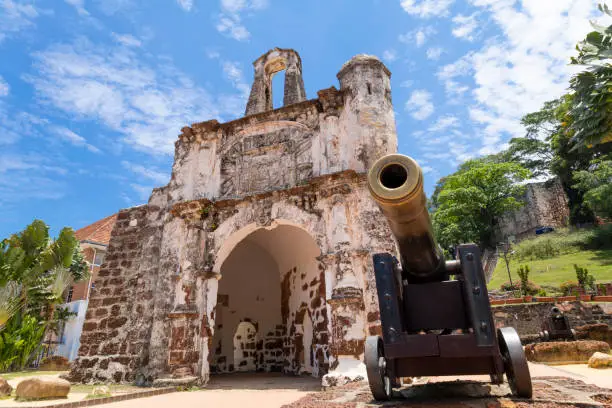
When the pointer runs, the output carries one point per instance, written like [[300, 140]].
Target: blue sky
[[93, 93]]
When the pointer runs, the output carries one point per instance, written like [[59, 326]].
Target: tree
[[34, 272], [471, 199], [592, 99], [597, 184], [523, 273]]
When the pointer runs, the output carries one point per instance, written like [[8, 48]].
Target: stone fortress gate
[[257, 254]]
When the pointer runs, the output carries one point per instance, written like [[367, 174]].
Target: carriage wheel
[[515, 363], [376, 367]]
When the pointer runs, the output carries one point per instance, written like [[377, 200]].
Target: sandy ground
[[234, 391], [275, 390]]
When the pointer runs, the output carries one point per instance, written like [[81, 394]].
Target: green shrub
[[523, 273], [569, 288], [585, 279], [599, 238], [531, 288], [542, 292]]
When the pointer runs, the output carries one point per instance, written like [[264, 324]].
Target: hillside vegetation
[[551, 257]]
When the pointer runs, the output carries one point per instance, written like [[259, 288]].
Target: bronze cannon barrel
[[395, 182]]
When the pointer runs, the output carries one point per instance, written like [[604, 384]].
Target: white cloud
[[74, 139], [419, 104], [127, 40], [465, 26], [407, 83], [448, 74], [427, 8], [26, 177], [526, 65], [15, 16], [144, 192], [185, 4], [111, 7], [417, 36], [237, 6], [233, 73], [160, 178], [79, 5], [389, 55], [230, 20], [232, 26], [444, 123], [4, 87], [427, 169], [14, 124], [145, 99], [434, 53], [212, 54]]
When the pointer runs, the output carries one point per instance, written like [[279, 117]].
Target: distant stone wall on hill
[[546, 204]]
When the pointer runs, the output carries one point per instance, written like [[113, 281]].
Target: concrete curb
[[104, 400]]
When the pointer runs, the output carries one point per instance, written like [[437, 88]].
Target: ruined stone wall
[[527, 318], [301, 166], [546, 204], [116, 332]]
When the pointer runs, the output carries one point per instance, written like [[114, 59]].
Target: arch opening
[[268, 280], [278, 89]]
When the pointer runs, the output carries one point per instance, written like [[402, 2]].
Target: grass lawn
[[554, 271]]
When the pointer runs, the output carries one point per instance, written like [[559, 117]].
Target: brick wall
[[114, 338], [527, 318]]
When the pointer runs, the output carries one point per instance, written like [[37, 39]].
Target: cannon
[[435, 314], [556, 326]]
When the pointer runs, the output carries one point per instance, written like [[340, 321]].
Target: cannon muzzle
[[395, 182]]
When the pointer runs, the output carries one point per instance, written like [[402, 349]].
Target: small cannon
[[432, 325], [557, 327]]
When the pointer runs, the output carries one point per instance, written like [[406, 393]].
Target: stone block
[[600, 360], [42, 388], [5, 388], [565, 352]]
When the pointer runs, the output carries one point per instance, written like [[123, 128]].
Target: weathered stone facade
[[546, 204], [257, 254]]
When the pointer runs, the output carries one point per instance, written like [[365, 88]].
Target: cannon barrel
[[395, 182]]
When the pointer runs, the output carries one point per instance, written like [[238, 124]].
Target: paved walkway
[[274, 390], [242, 390], [234, 391]]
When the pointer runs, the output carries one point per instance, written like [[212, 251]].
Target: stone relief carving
[[279, 158]]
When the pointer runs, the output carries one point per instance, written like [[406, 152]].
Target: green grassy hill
[[551, 257], [554, 271]]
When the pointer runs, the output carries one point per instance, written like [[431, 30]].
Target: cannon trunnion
[[432, 325]]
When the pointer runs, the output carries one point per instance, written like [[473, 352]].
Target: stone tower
[[257, 254]]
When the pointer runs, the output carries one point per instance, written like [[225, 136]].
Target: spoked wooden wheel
[[515, 363], [376, 367]]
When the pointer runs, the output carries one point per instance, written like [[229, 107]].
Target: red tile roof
[[99, 231]]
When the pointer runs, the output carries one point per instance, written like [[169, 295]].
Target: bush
[[532, 288], [542, 292], [599, 238], [563, 242], [523, 273], [569, 288]]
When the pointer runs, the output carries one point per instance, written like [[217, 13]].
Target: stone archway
[[270, 279]]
